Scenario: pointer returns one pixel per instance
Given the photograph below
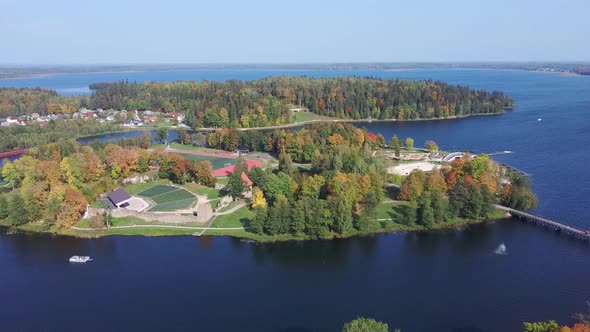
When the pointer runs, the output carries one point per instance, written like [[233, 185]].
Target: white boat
[[501, 250], [80, 259], [539, 119]]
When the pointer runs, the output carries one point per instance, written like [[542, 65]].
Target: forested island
[[328, 180], [271, 101]]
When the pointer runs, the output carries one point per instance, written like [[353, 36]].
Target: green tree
[[395, 145], [298, 218], [258, 223], [409, 144], [411, 214], [286, 163], [380, 141], [161, 134], [488, 200], [550, 326], [3, 208], [17, 213], [236, 185], [10, 173], [440, 206], [362, 324], [472, 208], [342, 216], [425, 212]]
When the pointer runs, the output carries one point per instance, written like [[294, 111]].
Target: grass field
[[240, 218], [216, 162], [308, 116], [168, 198]]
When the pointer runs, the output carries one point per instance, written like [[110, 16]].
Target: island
[[322, 181]]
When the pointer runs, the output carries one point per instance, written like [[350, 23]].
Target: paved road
[[161, 226]]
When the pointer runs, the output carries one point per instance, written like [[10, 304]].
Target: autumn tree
[[550, 326], [431, 146], [412, 186], [258, 199], [72, 209]]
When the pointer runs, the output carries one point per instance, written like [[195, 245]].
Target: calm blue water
[[419, 282]]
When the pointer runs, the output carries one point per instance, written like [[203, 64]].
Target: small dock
[[557, 226]]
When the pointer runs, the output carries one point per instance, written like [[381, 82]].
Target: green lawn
[[240, 218], [201, 190], [393, 211], [308, 116]]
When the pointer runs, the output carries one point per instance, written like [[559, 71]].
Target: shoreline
[[236, 233], [336, 120]]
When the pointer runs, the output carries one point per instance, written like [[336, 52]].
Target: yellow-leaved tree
[[258, 199]]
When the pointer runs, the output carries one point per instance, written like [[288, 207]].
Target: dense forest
[[268, 101], [21, 101], [37, 134]]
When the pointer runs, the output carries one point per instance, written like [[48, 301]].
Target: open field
[[168, 198], [304, 116], [405, 169], [240, 218]]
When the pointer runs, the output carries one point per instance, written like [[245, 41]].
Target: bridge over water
[[557, 226]]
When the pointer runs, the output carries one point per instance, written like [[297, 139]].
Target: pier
[[557, 226]]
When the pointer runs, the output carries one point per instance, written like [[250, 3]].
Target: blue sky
[[223, 31]]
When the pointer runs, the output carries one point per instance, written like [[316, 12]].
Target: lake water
[[448, 281]]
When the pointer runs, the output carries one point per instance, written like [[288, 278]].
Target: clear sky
[[276, 31]]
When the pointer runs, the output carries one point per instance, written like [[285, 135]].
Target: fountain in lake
[[501, 250]]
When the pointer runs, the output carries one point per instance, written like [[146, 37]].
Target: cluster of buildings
[[126, 118]]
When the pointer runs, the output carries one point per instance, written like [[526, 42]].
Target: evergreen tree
[[474, 204], [258, 223], [411, 214], [425, 212], [440, 206], [298, 218]]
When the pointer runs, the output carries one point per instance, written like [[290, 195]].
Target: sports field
[[216, 162], [168, 198]]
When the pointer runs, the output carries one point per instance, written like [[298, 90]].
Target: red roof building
[[246, 179]]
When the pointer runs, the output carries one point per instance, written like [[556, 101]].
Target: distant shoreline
[[16, 76]]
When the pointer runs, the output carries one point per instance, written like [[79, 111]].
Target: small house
[[119, 197]]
